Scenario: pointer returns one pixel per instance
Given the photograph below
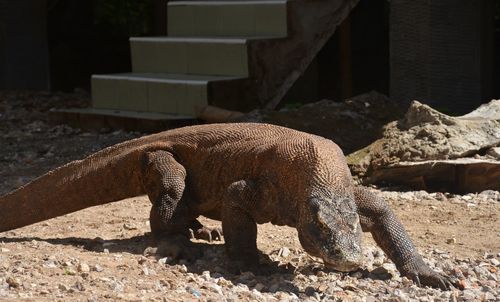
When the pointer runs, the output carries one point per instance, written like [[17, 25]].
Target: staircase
[[236, 55]]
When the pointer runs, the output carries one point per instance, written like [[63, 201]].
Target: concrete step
[[99, 119], [227, 18], [203, 56], [152, 92]]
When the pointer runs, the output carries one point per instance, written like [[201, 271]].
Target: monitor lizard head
[[329, 228]]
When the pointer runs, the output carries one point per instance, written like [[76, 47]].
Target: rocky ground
[[98, 254]]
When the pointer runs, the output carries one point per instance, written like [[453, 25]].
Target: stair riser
[[148, 96], [205, 58], [226, 19]]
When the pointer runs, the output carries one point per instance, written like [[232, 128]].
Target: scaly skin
[[241, 174]]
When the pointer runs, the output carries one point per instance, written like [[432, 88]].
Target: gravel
[[63, 259]]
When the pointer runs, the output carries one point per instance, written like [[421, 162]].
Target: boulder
[[428, 149]]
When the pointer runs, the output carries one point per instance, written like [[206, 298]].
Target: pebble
[[451, 240], [83, 268], [63, 287], [183, 268], [13, 282], [273, 288], [215, 288], [259, 286], [165, 260], [129, 227], [284, 252], [193, 291], [495, 262]]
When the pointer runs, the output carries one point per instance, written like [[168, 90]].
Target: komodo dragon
[[241, 174]]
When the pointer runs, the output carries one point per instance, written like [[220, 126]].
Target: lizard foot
[[423, 275], [208, 234], [178, 247]]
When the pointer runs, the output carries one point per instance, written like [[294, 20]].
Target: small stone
[[284, 252], [193, 291], [462, 284], [215, 288], [494, 152], [183, 268], [129, 227], [97, 268], [309, 291], [69, 271], [205, 275], [79, 286], [13, 282], [246, 276], [489, 296], [142, 260], [164, 260], [223, 282], [4, 250], [273, 288], [321, 274], [386, 268], [63, 287], [323, 288], [49, 264], [83, 268], [256, 295], [468, 295], [259, 287], [451, 240], [495, 262]]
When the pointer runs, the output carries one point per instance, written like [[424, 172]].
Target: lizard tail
[[109, 175]]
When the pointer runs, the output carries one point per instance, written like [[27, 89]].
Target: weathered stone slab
[[425, 145], [454, 175]]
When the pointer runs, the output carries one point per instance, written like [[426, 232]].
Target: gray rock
[[494, 152], [284, 252], [426, 138], [468, 295]]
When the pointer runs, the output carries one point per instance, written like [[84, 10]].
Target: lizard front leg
[[163, 180], [376, 217], [240, 229]]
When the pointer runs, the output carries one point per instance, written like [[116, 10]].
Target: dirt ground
[[97, 254]]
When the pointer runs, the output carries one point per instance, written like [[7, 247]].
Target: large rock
[[426, 149]]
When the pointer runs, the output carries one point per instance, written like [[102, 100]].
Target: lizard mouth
[[342, 266]]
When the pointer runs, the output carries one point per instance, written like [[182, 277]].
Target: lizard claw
[[425, 276], [207, 234]]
